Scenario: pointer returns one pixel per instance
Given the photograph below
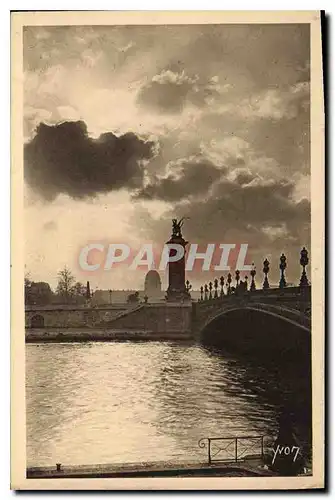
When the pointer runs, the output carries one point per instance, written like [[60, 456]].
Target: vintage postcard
[[167, 250]]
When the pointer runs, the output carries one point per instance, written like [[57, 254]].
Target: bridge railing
[[215, 289], [233, 449], [289, 294]]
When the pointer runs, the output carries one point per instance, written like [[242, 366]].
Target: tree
[[79, 289], [68, 289], [79, 293], [38, 293], [41, 293], [66, 285]]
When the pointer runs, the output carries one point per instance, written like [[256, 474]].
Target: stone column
[[177, 290]]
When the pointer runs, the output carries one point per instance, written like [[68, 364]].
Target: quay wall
[[95, 335], [122, 322]]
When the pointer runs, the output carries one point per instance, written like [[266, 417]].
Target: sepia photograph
[[167, 250]]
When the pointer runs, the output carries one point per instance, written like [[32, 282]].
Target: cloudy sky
[[127, 127]]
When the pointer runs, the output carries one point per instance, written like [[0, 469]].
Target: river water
[[127, 402]]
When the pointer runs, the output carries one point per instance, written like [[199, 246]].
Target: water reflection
[[205, 396], [127, 402]]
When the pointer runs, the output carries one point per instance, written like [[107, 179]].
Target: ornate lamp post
[[216, 284], [303, 262], [253, 274], [229, 280], [210, 286], [221, 285], [282, 267], [201, 293], [237, 278], [206, 291], [266, 268], [188, 286]]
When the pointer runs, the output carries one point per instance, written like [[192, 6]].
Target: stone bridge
[[269, 324], [291, 305]]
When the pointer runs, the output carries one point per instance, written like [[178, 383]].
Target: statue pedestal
[[177, 291]]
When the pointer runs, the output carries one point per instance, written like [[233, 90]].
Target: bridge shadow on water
[[276, 357]]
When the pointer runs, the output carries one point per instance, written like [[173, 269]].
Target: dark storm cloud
[[193, 177], [258, 202], [287, 140], [242, 195], [64, 159], [249, 210], [252, 56], [236, 206], [265, 216], [170, 91]]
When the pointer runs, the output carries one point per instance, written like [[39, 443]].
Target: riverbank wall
[[38, 335], [160, 321]]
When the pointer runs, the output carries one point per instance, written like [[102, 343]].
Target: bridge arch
[[260, 329], [280, 313]]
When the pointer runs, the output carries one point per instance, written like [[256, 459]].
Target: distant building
[[153, 284], [104, 297], [152, 290]]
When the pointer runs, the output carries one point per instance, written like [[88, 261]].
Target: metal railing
[[233, 449], [290, 293]]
